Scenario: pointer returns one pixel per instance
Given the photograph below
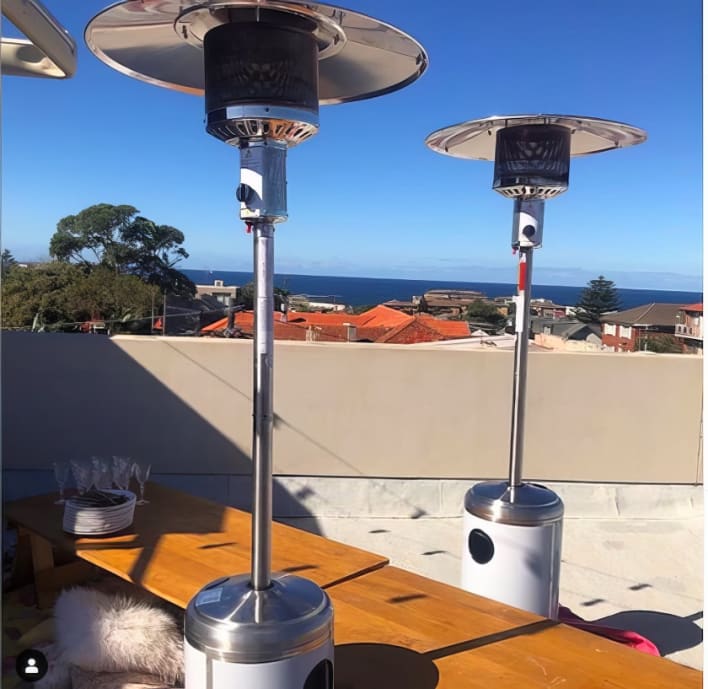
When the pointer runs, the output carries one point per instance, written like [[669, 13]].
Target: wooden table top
[[178, 543], [397, 629]]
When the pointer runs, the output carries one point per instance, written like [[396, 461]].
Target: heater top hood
[[161, 42], [476, 139]]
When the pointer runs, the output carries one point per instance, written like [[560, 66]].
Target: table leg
[[43, 564], [49, 579]]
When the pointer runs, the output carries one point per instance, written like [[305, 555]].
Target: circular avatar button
[[31, 665]]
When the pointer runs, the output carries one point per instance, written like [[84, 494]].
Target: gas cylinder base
[[512, 548], [311, 670], [276, 638]]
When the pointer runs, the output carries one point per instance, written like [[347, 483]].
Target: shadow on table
[[385, 666], [669, 633], [382, 666]]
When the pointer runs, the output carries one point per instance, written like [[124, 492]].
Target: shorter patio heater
[[264, 67], [513, 529]]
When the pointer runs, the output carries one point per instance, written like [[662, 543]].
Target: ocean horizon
[[361, 291]]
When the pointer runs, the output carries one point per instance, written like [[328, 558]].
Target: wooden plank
[[179, 542], [559, 657], [61, 577], [404, 609], [394, 628]]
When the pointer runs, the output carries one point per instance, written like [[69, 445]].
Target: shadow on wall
[[64, 407]]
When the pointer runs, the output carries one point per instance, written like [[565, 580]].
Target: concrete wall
[[594, 344], [349, 409]]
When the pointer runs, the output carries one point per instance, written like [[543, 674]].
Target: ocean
[[362, 291]]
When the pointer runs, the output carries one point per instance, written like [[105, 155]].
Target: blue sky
[[365, 196]]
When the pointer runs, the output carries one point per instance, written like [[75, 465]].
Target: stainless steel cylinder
[[527, 225], [263, 269], [262, 191], [236, 636], [512, 547], [521, 348]]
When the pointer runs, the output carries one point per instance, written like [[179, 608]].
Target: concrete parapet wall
[[350, 410]]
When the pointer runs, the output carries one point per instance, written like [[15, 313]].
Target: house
[[623, 331], [449, 302], [409, 307], [379, 324], [567, 334], [689, 325], [545, 308], [423, 328], [225, 294]]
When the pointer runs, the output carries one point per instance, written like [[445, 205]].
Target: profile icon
[[31, 665]]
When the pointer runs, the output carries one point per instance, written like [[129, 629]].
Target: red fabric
[[631, 639]]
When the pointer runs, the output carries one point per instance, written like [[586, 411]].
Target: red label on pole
[[522, 273]]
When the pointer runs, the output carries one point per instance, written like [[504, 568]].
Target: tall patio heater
[[513, 529], [263, 67]]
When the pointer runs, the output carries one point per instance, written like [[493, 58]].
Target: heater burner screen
[[260, 63], [534, 155]]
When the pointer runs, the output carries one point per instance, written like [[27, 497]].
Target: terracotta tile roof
[[693, 307], [241, 319], [380, 324], [380, 316], [336, 317], [451, 329], [426, 329]]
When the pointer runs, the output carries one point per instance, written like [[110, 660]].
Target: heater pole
[[263, 269], [521, 349]]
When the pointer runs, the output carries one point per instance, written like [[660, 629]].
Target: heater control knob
[[243, 193], [480, 546]]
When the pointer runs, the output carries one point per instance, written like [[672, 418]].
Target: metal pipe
[[263, 270], [521, 348]]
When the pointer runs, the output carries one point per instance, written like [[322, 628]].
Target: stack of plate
[[84, 518]]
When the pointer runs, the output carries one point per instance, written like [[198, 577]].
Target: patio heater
[[513, 528], [263, 67]]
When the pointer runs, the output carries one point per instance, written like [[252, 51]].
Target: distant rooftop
[[379, 324], [648, 314]]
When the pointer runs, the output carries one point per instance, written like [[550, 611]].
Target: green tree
[[661, 343], [117, 238], [93, 236], [600, 296], [103, 295], [484, 312], [37, 292], [153, 252], [245, 296], [362, 308], [54, 294], [8, 261]]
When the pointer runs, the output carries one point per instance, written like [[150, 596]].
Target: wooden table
[[397, 629], [177, 544]]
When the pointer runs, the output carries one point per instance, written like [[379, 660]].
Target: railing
[[689, 331]]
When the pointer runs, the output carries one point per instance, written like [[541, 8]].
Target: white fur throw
[[97, 632]]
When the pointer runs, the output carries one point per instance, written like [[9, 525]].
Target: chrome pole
[[263, 270], [521, 350]]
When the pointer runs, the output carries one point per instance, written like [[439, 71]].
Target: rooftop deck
[[393, 436]]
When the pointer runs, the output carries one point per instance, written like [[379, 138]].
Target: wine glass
[[61, 474], [121, 472], [102, 477], [142, 473], [82, 472]]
